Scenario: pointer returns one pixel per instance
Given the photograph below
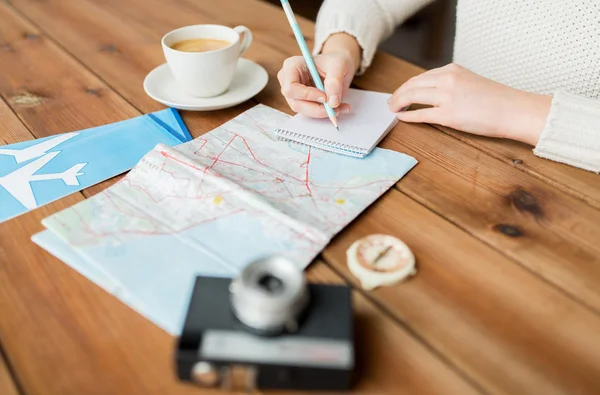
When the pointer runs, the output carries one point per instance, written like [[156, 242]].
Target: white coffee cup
[[206, 74]]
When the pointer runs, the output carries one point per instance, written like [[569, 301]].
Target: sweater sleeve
[[572, 132], [369, 21]]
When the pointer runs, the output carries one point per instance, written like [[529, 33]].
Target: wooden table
[[507, 298]]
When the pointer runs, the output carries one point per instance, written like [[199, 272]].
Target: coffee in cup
[[200, 45], [203, 58]]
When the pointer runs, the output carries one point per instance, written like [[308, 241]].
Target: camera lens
[[269, 295], [270, 283]]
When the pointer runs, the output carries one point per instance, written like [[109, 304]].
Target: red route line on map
[[296, 235], [221, 153], [165, 197], [141, 232], [206, 168], [217, 159], [176, 159], [156, 232], [249, 168], [257, 160], [173, 174], [340, 212], [150, 220], [306, 182], [256, 124], [272, 168], [204, 141], [307, 163]]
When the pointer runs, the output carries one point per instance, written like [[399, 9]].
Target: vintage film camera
[[267, 329]]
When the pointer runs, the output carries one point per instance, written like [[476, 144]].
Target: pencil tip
[[338, 129]]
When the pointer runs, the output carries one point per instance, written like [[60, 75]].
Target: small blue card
[[36, 172]]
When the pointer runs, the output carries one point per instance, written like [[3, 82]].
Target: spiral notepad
[[360, 131]]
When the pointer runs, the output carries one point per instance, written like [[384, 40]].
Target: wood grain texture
[[12, 129], [7, 384], [496, 203], [484, 316], [56, 321], [109, 334], [47, 88], [502, 326], [519, 215], [543, 229], [160, 20], [503, 206], [40, 83], [388, 73], [581, 184], [64, 335], [108, 348]]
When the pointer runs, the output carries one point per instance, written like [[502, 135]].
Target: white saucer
[[250, 78]]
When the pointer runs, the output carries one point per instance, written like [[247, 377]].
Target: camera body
[[220, 346]]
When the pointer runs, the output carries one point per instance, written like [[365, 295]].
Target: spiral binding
[[320, 143]]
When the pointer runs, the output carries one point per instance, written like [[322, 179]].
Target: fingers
[[435, 78], [309, 100], [429, 96], [289, 78], [290, 72], [336, 70], [426, 115], [315, 110], [298, 91], [421, 81]]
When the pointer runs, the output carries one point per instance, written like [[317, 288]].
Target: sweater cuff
[[572, 132], [368, 35]]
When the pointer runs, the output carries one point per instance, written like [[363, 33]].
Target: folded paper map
[[36, 172], [210, 207]]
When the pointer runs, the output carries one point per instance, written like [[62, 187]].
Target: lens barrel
[[269, 296]]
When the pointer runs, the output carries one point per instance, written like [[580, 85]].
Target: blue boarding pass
[[36, 172]]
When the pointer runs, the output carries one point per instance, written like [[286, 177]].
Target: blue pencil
[[307, 57]]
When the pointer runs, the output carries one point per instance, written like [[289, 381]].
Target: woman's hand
[[466, 101], [336, 64]]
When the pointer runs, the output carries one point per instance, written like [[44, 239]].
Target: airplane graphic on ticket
[[36, 172], [18, 182]]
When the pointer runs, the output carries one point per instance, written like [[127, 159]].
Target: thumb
[[336, 70]]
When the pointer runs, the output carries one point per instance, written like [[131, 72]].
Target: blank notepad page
[[360, 131]]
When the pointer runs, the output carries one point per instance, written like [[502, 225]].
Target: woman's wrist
[[346, 44], [530, 118]]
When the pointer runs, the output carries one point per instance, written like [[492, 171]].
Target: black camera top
[[318, 353]]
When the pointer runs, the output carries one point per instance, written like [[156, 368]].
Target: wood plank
[[51, 96], [55, 96], [578, 183], [123, 63], [540, 377], [545, 230], [56, 321], [501, 197], [105, 328], [66, 336], [390, 360], [7, 384], [275, 31], [503, 327], [504, 374], [511, 211], [12, 130]]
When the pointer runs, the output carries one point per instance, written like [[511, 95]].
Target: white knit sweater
[[543, 46]]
